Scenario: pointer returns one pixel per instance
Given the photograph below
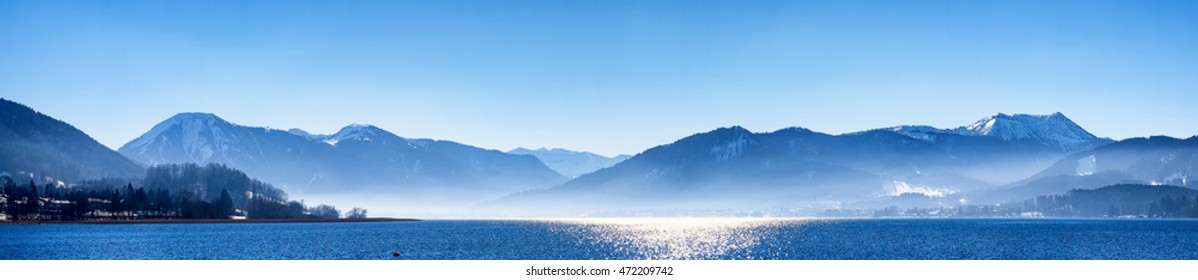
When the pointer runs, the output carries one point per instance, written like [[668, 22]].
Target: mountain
[[34, 144], [1053, 130], [726, 167], [1002, 148], [358, 159], [962, 159], [797, 167], [277, 157], [571, 163], [1157, 160]]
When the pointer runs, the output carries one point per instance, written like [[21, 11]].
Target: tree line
[[175, 191], [1124, 200]]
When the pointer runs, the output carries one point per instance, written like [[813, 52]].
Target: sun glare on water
[[674, 238]]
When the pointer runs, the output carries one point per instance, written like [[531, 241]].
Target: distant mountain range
[[571, 163], [36, 146], [358, 158], [1002, 148], [796, 167], [727, 167], [998, 158]]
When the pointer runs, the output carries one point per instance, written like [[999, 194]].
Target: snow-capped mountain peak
[[1054, 129], [1020, 126], [192, 120], [200, 135], [359, 132]]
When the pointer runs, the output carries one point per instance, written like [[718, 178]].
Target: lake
[[634, 238]]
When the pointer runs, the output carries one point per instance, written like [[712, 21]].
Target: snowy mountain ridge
[[1054, 130], [305, 134], [360, 132]]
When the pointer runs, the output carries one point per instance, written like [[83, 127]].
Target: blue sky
[[603, 76]]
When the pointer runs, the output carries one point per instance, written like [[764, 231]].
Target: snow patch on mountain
[[1173, 179], [734, 145], [1087, 165], [730, 149], [901, 188]]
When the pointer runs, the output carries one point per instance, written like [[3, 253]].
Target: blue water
[[616, 239]]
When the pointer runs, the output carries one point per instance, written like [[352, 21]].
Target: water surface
[[585, 239]]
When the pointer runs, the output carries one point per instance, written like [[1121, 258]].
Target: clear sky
[[604, 76]]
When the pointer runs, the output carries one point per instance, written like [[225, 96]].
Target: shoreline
[[212, 221]]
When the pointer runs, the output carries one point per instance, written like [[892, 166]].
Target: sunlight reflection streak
[[675, 238]]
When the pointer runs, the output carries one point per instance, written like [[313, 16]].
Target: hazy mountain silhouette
[[36, 145]]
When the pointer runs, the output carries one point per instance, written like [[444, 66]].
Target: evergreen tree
[[10, 190], [223, 206], [81, 205], [139, 200], [9, 185], [32, 201], [162, 202], [114, 203]]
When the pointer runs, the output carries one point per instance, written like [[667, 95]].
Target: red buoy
[[395, 253]]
